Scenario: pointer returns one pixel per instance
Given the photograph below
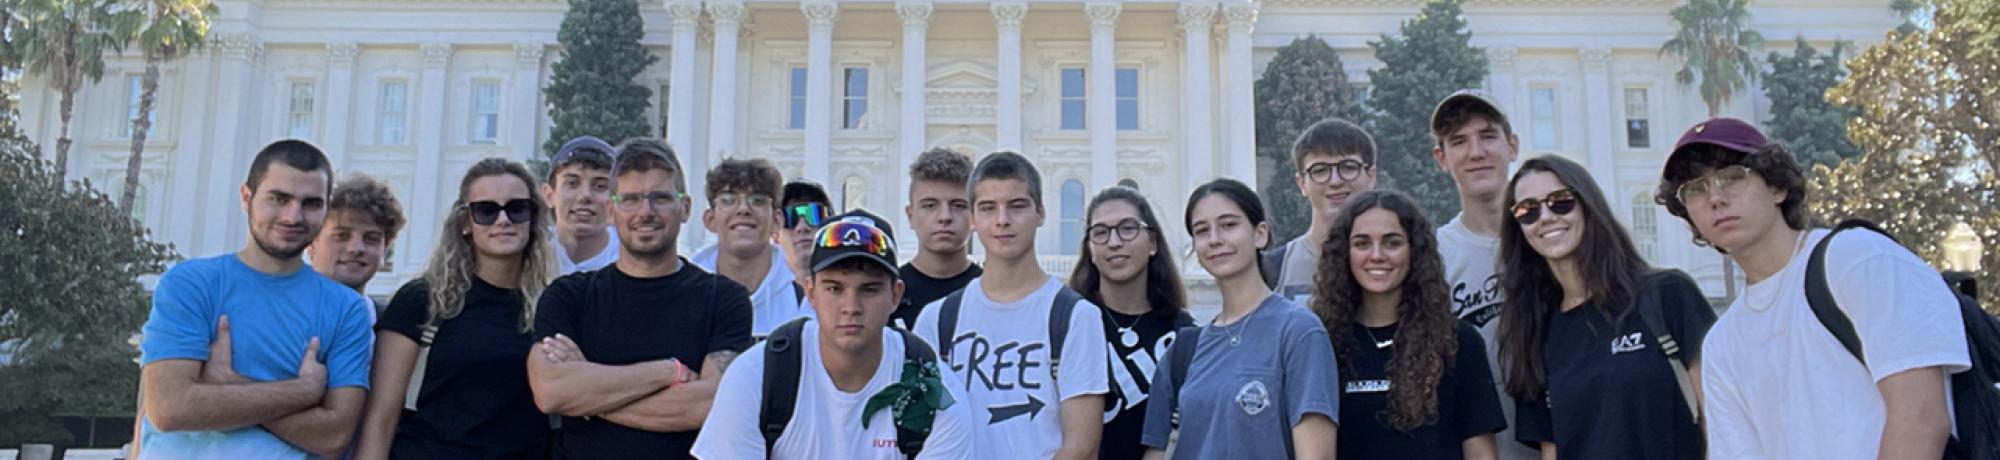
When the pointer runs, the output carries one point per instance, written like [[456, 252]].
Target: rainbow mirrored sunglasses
[[855, 235], [813, 214]]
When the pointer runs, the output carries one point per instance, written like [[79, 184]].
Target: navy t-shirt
[[1467, 404], [620, 320], [1611, 392], [475, 401]]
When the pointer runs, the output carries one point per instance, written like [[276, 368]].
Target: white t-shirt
[[604, 258], [1002, 355], [826, 422], [1471, 268], [1777, 385], [775, 301]]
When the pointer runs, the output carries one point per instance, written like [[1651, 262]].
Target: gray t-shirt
[[1295, 275], [1242, 400]]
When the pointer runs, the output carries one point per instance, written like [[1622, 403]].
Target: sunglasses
[[814, 215], [854, 235], [519, 211], [1559, 202]]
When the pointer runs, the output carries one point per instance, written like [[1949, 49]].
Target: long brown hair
[[1606, 259], [1164, 293], [453, 263], [1426, 332]]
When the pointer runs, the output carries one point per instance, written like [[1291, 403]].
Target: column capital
[[436, 54], [685, 13], [1502, 57], [529, 54], [1595, 59], [238, 46], [341, 54], [1197, 15], [820, 13], [1008, 14], [914, 14], [727, 13], [1241, 17], [1103, 15]]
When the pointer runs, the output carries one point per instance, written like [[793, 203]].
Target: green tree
[[1923, 106], [65, 41], [1816, 130], [592, 90], [1716, 45], [1433, 58], [173, 28], [70, 297], [1304, 83]]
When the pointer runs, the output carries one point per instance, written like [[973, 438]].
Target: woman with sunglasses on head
[[1128, 270], [1414, 379], [1601, 350], [449, 378], [1260, 380]]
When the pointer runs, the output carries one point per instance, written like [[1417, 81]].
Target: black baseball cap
[[587, 149], [856, 233], [803, 190]]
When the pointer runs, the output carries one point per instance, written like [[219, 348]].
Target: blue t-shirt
[[270, 320], [1242, 399]]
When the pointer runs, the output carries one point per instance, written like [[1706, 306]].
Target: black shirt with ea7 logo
[[1611, 391]]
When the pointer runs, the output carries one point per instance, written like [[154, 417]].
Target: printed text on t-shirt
[[1477, 304]]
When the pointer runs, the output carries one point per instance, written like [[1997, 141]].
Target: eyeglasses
[[1347, 170], [1724, 179], [630, 202], [855, 235], [813, 214], [729, 200], [1559, 202], [1127, 231], [519, 211]]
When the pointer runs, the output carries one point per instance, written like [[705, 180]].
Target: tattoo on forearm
[[721, 360]]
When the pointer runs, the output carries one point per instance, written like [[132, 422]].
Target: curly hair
[[755, 176], [369, 199], [1164, 292], [1774, 163], [1427, 333], [941, 165], [453, 263]]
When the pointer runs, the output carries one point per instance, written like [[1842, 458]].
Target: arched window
[[1072, 217], [1646, 226], [854, 194]]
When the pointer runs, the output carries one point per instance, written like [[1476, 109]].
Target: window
[[854, 193], [853, 97], [796, 118], [485, 112], [1128, 99], [1542, 109], [393, 113], [1645, 226], [299, 123], [1072, 99], [1072, 217], [136, 88], [665, 98], [1638, 132]]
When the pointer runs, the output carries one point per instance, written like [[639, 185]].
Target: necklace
[[1241, 325], [1379, 343], [1126, 336], [1797, 246]]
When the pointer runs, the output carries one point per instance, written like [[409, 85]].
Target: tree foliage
[[1924, 107], [1815, 129], [1304, 83], [592, 90], [70, 297], [1433, 58], [172, 29], [1717, 45], [65, 41]]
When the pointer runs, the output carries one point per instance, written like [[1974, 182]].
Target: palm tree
[[65, 41], [173, 29], [1716, 42]]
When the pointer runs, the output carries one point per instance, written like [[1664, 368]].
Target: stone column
[[911, 135], [1500, 77], [1598, 116], [526, 108], [1100, 106], [686, 15], [728, 16], [190, 146], [339, 101], [1007, 20], [1239, 100], [426, 204], [820, 15], [1199, 144], [229, 158]]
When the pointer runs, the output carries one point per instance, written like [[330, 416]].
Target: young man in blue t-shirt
[[291, 379]]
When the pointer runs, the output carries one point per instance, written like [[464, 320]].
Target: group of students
[[556, 318]]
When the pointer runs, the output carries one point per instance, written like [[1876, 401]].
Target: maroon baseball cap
[[1729, 133]]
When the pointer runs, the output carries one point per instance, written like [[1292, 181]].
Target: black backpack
[[1182, 355], [1975, 392], [782, 361], [1059, 314]]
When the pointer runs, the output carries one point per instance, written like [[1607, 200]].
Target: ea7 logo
[[1628, 343]]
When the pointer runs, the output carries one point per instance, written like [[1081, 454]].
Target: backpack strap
[[1273, 264], [425, 336], [1820, 297], [947, 326], [917, 351], [1059, 315], [1650, 313], [1181, 357], [782, 358]]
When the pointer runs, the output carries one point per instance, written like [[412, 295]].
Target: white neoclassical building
[[1157, 93]]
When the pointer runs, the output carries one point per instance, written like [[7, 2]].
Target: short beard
[[276, 252]]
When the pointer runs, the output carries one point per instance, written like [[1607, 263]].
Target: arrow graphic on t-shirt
[[1001, 413]]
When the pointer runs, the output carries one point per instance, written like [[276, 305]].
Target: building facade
[[1156, 94]]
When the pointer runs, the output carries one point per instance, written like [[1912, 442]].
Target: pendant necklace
[[1126, 336], [1379, 343]]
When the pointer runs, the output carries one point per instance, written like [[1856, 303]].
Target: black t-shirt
[[619, 320], [1132, 375], [1467, 406], [475, 401], [1613, 394], [920, 289]]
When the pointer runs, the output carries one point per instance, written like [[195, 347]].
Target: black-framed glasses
[[1323, 173], [1720, 179], [1559, 202], [630, 202], [1127, 230], [814, 215], [519, 211], [729, 200]]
